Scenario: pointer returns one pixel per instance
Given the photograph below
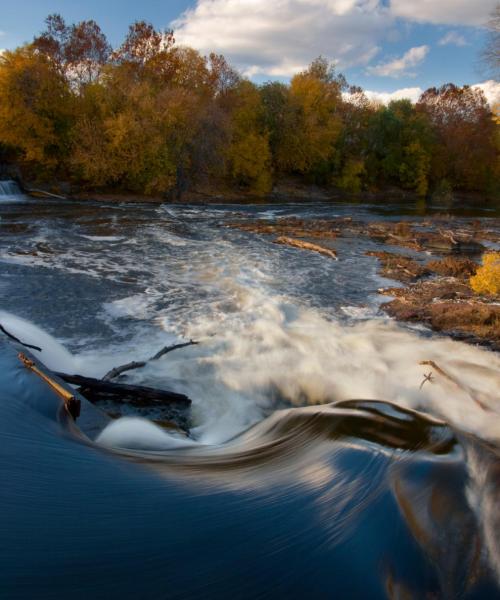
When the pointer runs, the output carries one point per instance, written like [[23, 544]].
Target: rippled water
[[348, 500]]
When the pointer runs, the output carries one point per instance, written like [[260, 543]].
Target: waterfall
[[9, 190]]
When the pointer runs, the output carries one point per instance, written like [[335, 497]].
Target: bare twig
[[472, 395], [138, 365], [427, 378], [121, 369], [13, 337], [168, 349]]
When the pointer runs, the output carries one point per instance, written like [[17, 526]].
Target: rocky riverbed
[[434, 259]]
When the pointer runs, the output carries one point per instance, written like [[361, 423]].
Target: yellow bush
[[487, 278]]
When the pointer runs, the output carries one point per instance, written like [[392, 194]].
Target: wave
[[360, 498]]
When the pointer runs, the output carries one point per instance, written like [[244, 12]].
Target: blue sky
[[382, 45]]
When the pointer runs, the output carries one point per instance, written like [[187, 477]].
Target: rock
[[399, 267]]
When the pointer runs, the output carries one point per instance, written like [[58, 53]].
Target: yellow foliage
[[352, 173], [487, 278], [248, 154], [319, 126], [35, 107]]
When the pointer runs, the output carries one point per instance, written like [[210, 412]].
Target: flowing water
[[10, 192], [277, 490]]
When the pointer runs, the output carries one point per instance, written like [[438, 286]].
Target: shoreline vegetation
[[155, 120]]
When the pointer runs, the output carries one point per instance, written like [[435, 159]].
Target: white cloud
[[452, 38], [401, 66], [412, 94], [281, 37], [453, 12], [273, 38], [491, 90]]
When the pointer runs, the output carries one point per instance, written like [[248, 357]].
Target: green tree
[[401, 146]]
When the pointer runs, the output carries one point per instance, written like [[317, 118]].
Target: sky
[[392, 48]]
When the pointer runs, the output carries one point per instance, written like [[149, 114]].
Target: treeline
[[154, 117]]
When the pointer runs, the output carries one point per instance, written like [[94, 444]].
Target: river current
[[317, 464]]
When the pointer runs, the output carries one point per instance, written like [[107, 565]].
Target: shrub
[[452, 266], [487, 278]]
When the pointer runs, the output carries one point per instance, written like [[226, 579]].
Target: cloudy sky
[[387, 46]]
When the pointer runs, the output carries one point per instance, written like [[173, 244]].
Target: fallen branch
[[44, 193], [139, 364], [13, 337], [452, 380]]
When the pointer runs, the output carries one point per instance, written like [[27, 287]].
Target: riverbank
[[432, 261], [284, 191]]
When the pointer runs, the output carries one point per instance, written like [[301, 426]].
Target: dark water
[[288, 487]]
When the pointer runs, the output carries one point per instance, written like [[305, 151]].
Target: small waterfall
[[9, 190]]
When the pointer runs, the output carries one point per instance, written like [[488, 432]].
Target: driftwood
[[137, 395], [174, 406], [44, 193], [303, 245], [139, 364], [112, 398]]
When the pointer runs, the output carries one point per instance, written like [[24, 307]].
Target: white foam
[[103, 238], [140, 434], [54, 355]]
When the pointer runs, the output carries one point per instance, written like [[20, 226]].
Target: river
[[277, 491]]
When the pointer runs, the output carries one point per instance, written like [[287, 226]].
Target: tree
[[352, 147], [143, 43], [400, 146], [36, 110], [465, 152], [79, 51], [315, 96], [248, 154]]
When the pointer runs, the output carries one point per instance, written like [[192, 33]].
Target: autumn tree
[[154, 117], [465, 152], [355, 112], [282, 118], [36, 110], [143, 43], [78, 51], [316, 95], [248, 155]]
